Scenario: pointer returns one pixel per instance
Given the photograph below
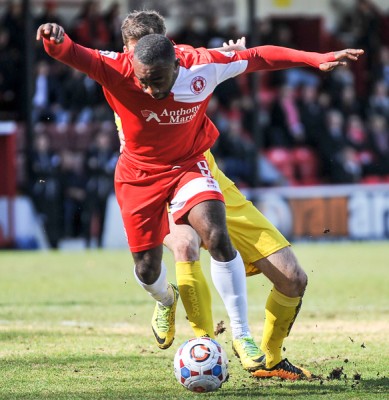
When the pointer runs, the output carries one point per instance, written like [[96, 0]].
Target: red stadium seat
[[282, 159], [371, 179], [307, 165]]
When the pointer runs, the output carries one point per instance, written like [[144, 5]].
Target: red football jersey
[[175, 131]]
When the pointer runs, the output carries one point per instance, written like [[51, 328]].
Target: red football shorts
[[143, 199]]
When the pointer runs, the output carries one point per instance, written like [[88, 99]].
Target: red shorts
[[143, 199]]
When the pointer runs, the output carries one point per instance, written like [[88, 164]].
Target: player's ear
[[129, 46]]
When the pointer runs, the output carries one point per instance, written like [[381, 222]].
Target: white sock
[[229, 279], [160, 290]]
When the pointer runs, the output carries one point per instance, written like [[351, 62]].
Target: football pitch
[[75, 325]]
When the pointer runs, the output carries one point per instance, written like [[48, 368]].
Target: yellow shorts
[[251, 233]]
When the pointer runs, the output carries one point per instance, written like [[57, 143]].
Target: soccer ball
[[200, 365]]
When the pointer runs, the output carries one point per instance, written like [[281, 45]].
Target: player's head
[[155, 65], [141, 23]]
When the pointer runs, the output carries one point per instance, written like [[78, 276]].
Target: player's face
[[156, 80]]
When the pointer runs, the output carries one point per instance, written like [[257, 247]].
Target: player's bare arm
[[50, 31], [341, 59]]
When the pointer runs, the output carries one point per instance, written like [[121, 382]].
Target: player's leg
[[228, 275], [150, 273], [146, 224], [282, 307], [198, 200], [264, 249], [184, 242]]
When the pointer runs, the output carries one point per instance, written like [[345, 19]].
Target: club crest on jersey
[[198, 84]]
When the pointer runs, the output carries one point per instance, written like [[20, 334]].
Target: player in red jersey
[[188, 82], [162, 163]]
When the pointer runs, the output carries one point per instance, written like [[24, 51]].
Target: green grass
[[76, 326]]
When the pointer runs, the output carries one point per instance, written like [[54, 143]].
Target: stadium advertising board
[[356, 212], [359, 212]]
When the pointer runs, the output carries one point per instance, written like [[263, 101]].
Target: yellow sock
[[196, 297], [280, 313]]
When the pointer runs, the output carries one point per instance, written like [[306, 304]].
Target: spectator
[[212, 30], [192, 32], [47, 98], [338, 79], [286, 128], [12, 28], [265, 31], [311, 114], [73, 182], [228, 92], [13, 22], [252, 115], [379, 145], [356, 134], [282, 35], [379, 99], [49, 13], [381, 69], [45, 187], [366, 23], [232, 31], [358, 24], [218, 116], [347, 102], [90, 28], [339, 160], [80, 97], [100, 166], [357, 138], [10, 88], [113, 21], [234, 145]]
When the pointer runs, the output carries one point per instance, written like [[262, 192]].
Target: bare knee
[[299, 281], [218, 244], [148, 264], [297, 277], [209, 220], [284, 271], [185, 246], [186, 249]]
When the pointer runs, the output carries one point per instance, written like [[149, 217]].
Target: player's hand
[[341, 56], [50, 31], [121, 140], [240, 44]]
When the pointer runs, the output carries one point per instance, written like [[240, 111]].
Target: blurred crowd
[[305, 128]]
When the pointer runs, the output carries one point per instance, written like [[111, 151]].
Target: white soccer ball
[[201, 365]]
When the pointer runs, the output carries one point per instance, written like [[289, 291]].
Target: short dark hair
[[152, 49], [141, 23]]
